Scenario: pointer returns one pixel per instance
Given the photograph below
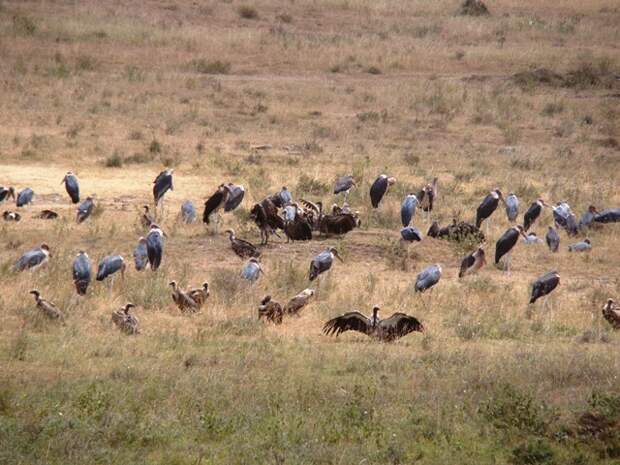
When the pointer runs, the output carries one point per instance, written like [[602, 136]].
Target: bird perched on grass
[[581, 246], [428, 277], [47, 308], [11, 216], [155, 246], [407, 209], [146, 219], [512, 207], [82, 272], [162, 184], [200, 294], [553, 239], [242, 248], [109, 266], [270, 310], [488, 206], [141, 255], [506, 243], [387, 330], [379, 188], [294, 306], [611, 313], [544, 285], [182, 299], [47, 215], [24, 197], [72, 186], [252, 270], [533, 213], [6, 192], [472, 262], [85, 209], [33, 259], [188, 212], [323, 262], [125, 321]]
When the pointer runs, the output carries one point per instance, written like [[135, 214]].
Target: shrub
[[247, 12], [24, 25], [373, 70], [553, 108], [209, 67], [532, 453], [309, 185], [155, 146], [114, 161]]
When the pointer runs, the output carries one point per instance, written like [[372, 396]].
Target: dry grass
[[404, 88]]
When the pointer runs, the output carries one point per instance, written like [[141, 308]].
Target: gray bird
[[162, 184], [344, 184], [252, 270], [85, 209], [581, 246], [411, 234], [532, 239], [155, 246], [428, 278], [72, 186], [33, 259], [407, 210], [140, 255], [110, 265], [234, 198], [24, 197], [609, 215], [82, 272], [285, 196], [512, 207], [587, 218], [553, 239], [188, 212], [323, 262]]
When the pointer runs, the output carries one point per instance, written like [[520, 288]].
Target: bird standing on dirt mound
[[162, 184], [323, 262], [533, 213], [488, 206], [379, 188], [270, 310], [506, 243], [428, 277], [155, 246], [72, 186], [125, 321], [611, 313], [242, 248], [544, 285], [388, 330], [33, 259], [82, 272], [553, 239], [427, 197], [182, 299], [407, 210], [24, 197], [344, 184], [109, 266], [48, 308], [85, 209], [472, 262]]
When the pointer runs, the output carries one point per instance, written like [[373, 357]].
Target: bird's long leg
[[507, 263]]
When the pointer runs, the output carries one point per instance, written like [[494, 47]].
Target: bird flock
[[302, 220]]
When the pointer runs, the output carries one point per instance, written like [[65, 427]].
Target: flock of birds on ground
[[300, 221]]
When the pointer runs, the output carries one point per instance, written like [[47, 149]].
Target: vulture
[[24, 197], [141, 255], [265, 215], [188, 212], [428, 278], [297, 228], [387, 330], [505, 244], [6, 192], [11, 216], [47, 215], [85, 209], [611, 313], [457, 232], [553, 239], [533, 213], [532, 239], [125, 321], [572, 228], [544, 285], [110, 265], [162, 184], [200, 294], [294, 306], [427, 196], [270, 310], [82, 272], [313, 212], [242, 248], [488, 206], [581, 246], [344, 184], [561, 211], [588, 217], [322, 262], [609, 215], [472, 262], [72, 186], [33, 259], [234, 197], [182, 299], [407, 210], [338, 224], [512, 207], [48, 308], [155, 246], [410, 234], [379, 188], [216, 201], [285, 197], [252, 270], [146, 220]]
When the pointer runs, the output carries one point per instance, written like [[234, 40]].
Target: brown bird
[[126, 322], [200, 294], [265, 215], [388, 330], [182, 299], [294, 306], [270, 310], [48, 308], [146, 219], [47, 215], [11, 216], [242, 248], [472, 263], [611, 313]]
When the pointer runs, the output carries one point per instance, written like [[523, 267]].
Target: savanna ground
[[117, 90]]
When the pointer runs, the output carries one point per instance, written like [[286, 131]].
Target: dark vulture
[[609, 215], [322, 262], [344, 184], [24, 197], [125, 321], [427, 196], [162, 184], [611, 313], [472, 263], [11, 216], [72, 186], [544, 285], [588, 217], [294, 306], [533, 213], [488, 206], [338, 224], [215, 202], [33, 259], [47, 215], [243, 249], [505, 244], [553, 239], [265, 215], [387, 330], [457, 232], [182, 299], [411, 234], [379, 188], [270, 310], [428, 277], [155, 246], [85, 209], [110, 265], [200, 294], [297, 229], [407, 209], [82, 272], [6, 192], [47, 308], [313, 212], [234, 197]]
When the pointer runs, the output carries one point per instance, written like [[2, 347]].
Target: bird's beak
[[63, 180], [339, 258]]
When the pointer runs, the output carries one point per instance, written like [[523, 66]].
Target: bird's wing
[[467, 263], [377, 190], [311, 205], [234, 199], [296, 302], [354, 321], [211, 205], [400, 324], [343, 183]]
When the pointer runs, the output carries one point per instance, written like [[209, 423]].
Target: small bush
[[135, 135], [533, 453], [553, 108], [411, 159], [247, 12], [24, 25], [155, 146], [203, 66], [114, 161], [285, 18], [309, 185], [85, 63], [373, 70], [137, 158]]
